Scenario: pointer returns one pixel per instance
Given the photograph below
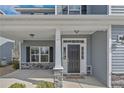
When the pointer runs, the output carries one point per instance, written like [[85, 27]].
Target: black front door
[[73, 58]]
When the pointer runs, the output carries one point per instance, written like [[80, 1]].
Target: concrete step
[[74, 76]]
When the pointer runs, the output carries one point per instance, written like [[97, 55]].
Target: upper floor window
[[74, 9], [71, 9], [83, 9], [62, 9]]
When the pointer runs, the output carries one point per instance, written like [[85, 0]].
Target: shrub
[[45, 84], [17, 85], [1, 65], [15, 64]]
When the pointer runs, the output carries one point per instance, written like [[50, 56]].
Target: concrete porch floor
[[30, 77]]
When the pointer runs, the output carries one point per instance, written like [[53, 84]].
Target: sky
[[9, 9]]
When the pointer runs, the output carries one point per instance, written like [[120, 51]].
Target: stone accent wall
[[118, 80], [37, 65], [58, 78]]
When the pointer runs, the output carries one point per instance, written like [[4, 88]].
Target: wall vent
[[89, 70]]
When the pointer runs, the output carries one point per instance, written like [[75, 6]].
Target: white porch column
[[17, 52], [58, 69], [20, 55], [16, 48], [58, 62], [109, 58]]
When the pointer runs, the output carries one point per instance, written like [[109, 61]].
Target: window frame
[[72, 10], [68, 10], [39, 54]]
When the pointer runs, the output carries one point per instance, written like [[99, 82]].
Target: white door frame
[[83, 62]]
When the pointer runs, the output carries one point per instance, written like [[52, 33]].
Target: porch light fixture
[[121, 38], [32, 35], [76, 31]]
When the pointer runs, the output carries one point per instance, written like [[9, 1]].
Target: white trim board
[[109, 56]]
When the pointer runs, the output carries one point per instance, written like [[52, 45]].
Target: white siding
[[117, 50], [117, 9]]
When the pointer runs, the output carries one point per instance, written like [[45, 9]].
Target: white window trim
[[40, 54]]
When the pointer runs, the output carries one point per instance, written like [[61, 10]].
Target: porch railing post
[[109, 57]]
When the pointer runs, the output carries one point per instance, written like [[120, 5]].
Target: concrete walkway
[[86, 82], [31, 77]]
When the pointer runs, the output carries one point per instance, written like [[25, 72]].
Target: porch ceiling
[[40, 34], [44, 27], [25, 35]]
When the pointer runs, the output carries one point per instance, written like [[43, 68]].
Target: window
[[44, 54], [64, 52], [74, 9], [82, 52], [73, 41], [69, 9], [34, 54], [83, 9], [62, 9], [39, 54]]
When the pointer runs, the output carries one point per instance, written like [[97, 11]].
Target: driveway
[[6, 70], [30, 77]]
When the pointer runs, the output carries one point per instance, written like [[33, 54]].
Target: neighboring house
[[1, 12], [6, 47], [79, 39]]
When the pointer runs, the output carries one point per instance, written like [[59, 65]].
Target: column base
[[58, 78]]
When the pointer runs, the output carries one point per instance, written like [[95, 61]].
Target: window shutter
[[84, 9], [51, 54], [28, 54]]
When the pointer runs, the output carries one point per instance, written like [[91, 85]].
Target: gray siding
[[50, 43], [117, 50], [88, 45], [97, 9], [99, 58]]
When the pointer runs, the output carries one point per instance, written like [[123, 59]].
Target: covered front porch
[[76, 48], [31, 77]]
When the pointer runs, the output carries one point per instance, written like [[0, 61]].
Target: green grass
[[17, 85], [45, 84]]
